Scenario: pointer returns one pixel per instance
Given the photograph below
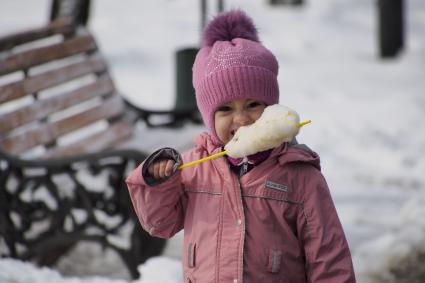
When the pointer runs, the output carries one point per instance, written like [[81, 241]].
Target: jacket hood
[[206, 142], [284, 153], [296, 153]]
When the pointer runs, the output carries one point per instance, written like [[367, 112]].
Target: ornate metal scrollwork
[[46, 207]]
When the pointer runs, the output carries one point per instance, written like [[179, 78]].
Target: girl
[[266, 218]]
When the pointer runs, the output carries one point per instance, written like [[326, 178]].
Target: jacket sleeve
[[328, 258], [160, 205]]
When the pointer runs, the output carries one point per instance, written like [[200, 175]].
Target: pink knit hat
[[232, 64]]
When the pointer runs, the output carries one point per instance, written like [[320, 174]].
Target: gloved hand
[[161, 165]]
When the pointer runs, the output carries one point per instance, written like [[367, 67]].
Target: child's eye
[[254, 104], [224, 108]]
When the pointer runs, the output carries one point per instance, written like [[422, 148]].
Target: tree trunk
[[391, 27]]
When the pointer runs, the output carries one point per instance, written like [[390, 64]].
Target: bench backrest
[[56, 96]]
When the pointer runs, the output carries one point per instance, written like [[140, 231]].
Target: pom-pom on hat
[[232, 64]]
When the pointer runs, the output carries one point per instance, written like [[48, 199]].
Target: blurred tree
[[220, 9], [77, 11], [286, 2], [391, 27]]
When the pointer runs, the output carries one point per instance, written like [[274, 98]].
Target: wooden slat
[[56, 27], [51, 78], [43, 108], [111, 136], [48, 133], [45, 54]]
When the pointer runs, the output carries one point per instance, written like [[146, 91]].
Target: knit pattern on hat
[[232, 64]]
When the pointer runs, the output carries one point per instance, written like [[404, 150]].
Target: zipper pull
[[244, 167]]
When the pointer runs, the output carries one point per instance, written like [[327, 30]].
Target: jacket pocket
[[274, 261]]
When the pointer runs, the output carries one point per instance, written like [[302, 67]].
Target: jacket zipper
[[241, 252], [244, 167]]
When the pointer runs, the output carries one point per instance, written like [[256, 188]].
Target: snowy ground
[[367, 113]]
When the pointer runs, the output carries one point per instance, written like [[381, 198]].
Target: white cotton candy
[[277, 124]]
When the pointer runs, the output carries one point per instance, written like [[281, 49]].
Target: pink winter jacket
[[277, 223]]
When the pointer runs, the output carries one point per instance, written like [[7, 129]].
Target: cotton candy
[[277, 124]]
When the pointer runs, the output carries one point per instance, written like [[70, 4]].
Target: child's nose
[[242, 118]]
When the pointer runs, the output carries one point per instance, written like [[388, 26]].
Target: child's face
[[230, 116]]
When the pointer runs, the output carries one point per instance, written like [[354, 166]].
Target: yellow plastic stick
[[299, 125], [202, 160]]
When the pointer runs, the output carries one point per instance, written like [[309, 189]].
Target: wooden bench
[[61, 168]]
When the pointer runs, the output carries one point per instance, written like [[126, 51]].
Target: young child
[[266, 218]]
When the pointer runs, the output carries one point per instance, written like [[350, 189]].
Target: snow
[[367, 113], [14, 271]]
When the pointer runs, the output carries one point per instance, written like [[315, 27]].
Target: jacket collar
[[253, 159]]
